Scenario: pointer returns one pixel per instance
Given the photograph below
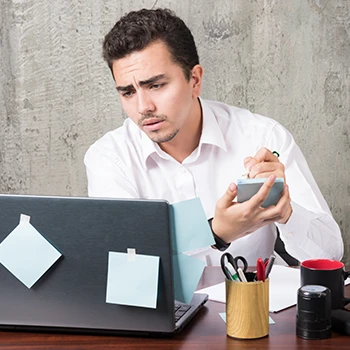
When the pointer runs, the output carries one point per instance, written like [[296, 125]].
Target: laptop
[[71, 295]]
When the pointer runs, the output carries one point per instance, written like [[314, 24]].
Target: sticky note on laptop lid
[[26, 253], [132, 279]]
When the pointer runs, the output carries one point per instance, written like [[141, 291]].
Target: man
[[177, 146]]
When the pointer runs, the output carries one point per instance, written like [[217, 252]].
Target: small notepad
[[26, 253], [132, 279], [247, 188]]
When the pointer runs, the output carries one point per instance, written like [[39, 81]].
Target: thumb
[[226, 200], [246, 161]]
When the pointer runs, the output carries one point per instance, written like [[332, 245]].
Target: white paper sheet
[[284, 285], [223, 317]]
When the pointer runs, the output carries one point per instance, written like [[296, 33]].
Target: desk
[[206, 331]]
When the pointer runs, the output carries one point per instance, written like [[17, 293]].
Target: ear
[[196, 80]]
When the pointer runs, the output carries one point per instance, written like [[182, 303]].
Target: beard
[[158, 138], [157, 135]]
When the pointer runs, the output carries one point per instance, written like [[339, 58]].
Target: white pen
[[241, 275]]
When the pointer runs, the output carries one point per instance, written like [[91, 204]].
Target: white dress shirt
[[125, 163]]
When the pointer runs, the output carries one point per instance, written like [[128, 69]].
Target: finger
[[266, 169], [264, 191], [226, 200], [246, 161], [280, 210], [266, 175], [270, 221], [265, 155], [285, 198], [285, 205], [250, 163]]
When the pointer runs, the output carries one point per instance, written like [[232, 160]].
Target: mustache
[[151, 116]]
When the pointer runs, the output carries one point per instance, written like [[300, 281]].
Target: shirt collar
[[211, 134], [149, 147]]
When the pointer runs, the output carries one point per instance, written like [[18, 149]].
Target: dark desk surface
[[206, 331]]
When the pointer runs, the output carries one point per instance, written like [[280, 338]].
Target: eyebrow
[[142, 83]]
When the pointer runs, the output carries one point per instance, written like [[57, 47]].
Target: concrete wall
[[286, 60]]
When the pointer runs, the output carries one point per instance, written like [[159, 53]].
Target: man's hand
[[233, 220], [264, 164]]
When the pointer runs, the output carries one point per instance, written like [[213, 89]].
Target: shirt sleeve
[[311, 231], [106, 177]]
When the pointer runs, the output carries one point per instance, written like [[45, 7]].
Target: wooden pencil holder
[[247, 309]]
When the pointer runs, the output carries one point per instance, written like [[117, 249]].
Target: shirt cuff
[[295, 234], [219, 243]]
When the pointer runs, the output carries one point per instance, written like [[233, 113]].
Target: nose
[[146, 104]]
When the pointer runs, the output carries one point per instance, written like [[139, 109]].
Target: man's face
[[155, 93]]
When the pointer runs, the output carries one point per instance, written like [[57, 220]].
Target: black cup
[[327, 273]]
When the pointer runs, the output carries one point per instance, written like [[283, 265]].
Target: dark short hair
[[137, 29]]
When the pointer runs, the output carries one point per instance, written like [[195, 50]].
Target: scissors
[[234, 262]]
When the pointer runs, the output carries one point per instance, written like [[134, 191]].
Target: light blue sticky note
[[191, 228], [223, 316], [187, 273], [132, 279], [27, 254]]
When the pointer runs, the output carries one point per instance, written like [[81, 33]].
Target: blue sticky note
[[27, 254], [191, 228], [187, 273], [132, 279]]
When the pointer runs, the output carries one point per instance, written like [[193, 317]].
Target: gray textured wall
[[288, 60]]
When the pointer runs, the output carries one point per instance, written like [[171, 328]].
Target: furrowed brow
[[125, 88], [141, 83], [152, 80]]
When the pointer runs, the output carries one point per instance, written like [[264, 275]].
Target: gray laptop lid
[[71, 295]]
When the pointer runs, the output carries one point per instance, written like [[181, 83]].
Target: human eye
[[156, 86], [127, 94]]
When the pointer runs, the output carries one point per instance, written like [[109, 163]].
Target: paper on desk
[[284, 284], [132, 281], [191, 231], [223, 316], [216, 292], [26, 253]]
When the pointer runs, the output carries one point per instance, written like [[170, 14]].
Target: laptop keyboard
[[180, 310]]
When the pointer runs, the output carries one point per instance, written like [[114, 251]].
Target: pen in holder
[[247, 308]]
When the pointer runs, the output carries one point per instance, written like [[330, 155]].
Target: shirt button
[[290, 234]]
